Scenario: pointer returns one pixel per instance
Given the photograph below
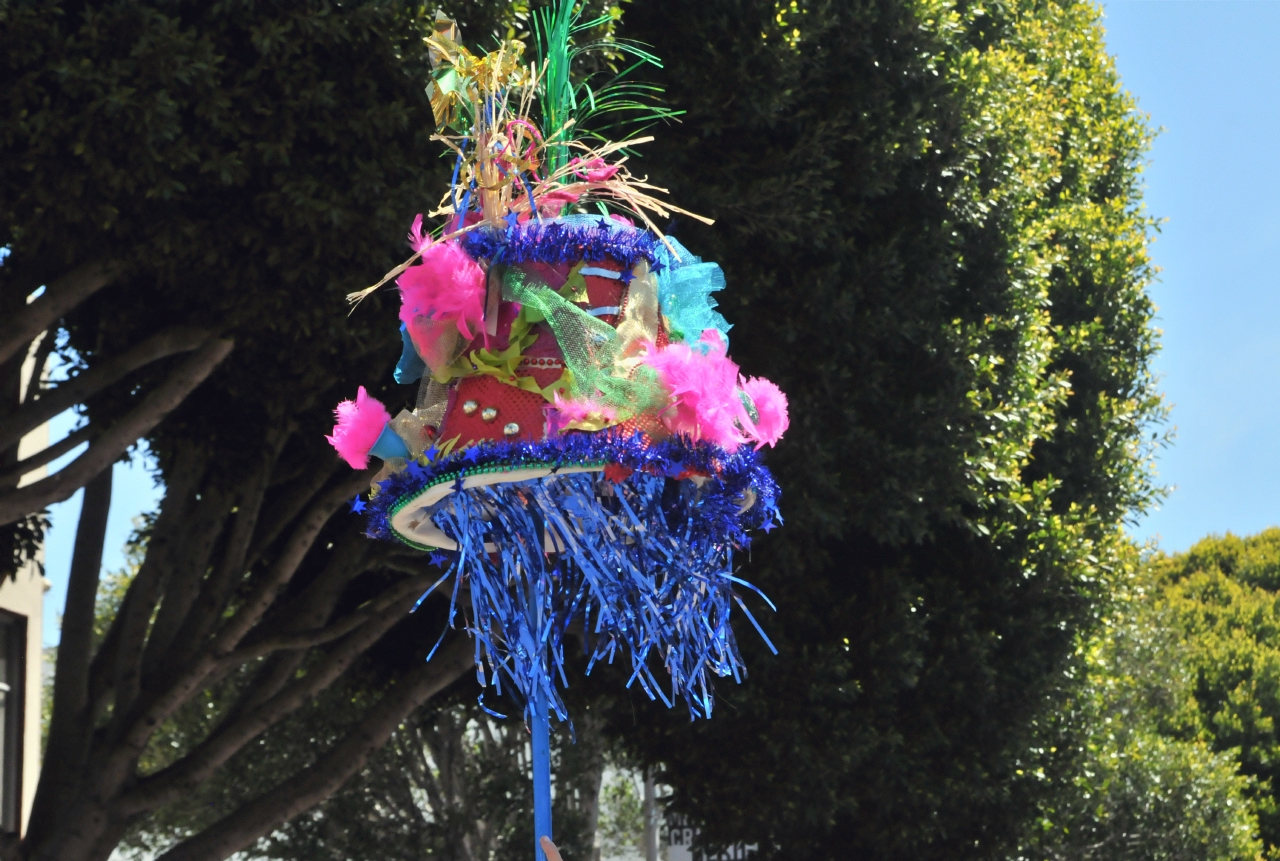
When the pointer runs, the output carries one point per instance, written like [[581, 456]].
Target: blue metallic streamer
[[645, 563]]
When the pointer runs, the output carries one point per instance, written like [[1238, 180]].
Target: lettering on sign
[[678, 835]]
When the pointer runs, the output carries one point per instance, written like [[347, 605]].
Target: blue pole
[[540, 725]]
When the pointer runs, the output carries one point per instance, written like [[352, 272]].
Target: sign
[[678, 835]]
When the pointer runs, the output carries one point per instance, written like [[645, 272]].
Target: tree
[[1219, 601], [929, 215], [1122, 780], [65, 241], [236, 168], [452, 783]]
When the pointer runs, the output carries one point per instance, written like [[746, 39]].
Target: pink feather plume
[[771, 407], [417, 239], [360, 423], [703, 387], [446, 286]]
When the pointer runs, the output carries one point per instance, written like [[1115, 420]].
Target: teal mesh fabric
[[684, 293]]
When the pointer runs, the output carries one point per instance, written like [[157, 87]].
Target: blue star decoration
[[658, 267], [769, 527], [625, 276], [417, 470], [603, 223], [439, 560], [512, 219], [472, 455], [432, 453], [358, 505]]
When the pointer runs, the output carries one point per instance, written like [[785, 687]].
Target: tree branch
[[118, 669], [181, 583], [133, 727], [60, 296], [282, 511], [208, 602], [16, 504], [299, 544], [14, 474], [351, 556], [312, 785], [309, 639], [163, 786], [33, 413], [309, 610]]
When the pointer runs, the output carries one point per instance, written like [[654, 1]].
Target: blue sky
[[1205, 70]]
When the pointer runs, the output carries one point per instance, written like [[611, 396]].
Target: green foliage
[[929, 216], [1150, 797], [621, 825], [1222, 601], [247, 163], [1122, 782]]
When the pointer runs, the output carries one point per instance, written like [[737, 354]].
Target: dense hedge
[[929, 214]]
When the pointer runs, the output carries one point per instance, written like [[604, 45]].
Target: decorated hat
[[580, 435]]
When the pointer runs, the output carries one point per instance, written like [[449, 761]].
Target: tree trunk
[[68, 742], [650, 811]]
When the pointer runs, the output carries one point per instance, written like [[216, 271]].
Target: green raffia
[[571, 111], [553, 28]]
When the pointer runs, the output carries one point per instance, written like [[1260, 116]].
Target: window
[[13, 652]]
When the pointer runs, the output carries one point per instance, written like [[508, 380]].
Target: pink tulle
[[771, 407], [360, 423], [446, 286], [704, 397]]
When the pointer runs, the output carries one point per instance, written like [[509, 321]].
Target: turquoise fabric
[[410, 368], [684, 294]]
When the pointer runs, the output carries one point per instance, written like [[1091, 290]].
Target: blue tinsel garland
[[562, 240], [643, 561]]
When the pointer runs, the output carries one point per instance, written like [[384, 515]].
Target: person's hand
[[553, 854]]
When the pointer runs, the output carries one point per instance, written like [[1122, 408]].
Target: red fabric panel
[[603, 292], [513, 405]]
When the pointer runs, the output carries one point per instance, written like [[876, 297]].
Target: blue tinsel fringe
[[564, 240], [645, 565]]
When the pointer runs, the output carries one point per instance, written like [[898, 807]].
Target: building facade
[[21, 666]]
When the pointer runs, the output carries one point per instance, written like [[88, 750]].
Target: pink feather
[[417, 239], [447, 286], [703, 387], [360, 423], [771, 407]]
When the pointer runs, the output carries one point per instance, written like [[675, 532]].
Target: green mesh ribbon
[[593, 352]]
